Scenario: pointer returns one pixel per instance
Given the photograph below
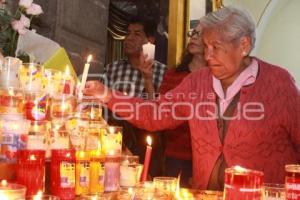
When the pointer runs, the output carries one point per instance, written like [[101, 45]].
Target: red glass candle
[[292, 182], [241, 183], [63, 173], [31, 170]]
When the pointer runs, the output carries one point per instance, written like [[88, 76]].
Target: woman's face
[[224, 57], [195, 45]]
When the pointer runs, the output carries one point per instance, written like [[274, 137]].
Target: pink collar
[[247, 77]]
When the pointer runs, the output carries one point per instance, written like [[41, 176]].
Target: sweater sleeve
[[293, 107], [166, 112]]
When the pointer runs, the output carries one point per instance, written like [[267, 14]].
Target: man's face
[[134, 40]]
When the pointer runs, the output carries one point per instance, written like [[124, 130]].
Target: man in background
[[127, 76]]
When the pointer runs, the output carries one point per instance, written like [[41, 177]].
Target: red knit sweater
[[178, 140], [266, 144]]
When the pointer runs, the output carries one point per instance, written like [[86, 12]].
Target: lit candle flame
[[4, 183], [67, 70], [89, 59], [92, 114], [32, 157], [130, 191], [64, 107], [239, 169], [11, 92], [111, 152], [111, 129], [38, 196], [68, 155], [149, 140]]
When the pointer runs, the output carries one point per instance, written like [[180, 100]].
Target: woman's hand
[[97, 90]]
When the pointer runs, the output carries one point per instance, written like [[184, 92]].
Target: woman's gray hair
[[234, 22]]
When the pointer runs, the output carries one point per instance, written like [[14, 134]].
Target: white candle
[[84, 75], [149, 49]]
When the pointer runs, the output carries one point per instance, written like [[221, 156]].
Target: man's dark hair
[[148, 24]]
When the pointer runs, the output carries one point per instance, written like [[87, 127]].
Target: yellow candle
[[82, 172], [97, 172]]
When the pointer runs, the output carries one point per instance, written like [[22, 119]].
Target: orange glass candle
[[82, 174], [97, 172]]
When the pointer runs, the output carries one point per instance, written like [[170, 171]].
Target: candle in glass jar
[[112, 173], [242, 183], [10, 191], [97, 171], [129, 169], [147, 159], [14, 131], [149, 50], [292, 182], [82, 174], [63, 173], [31, 170]]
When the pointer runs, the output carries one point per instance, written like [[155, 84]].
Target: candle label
[[10, 144], [67, 175], [84, 177], [292, 191], [101, 174]]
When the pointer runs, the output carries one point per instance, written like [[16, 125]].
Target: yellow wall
[[278, 31]]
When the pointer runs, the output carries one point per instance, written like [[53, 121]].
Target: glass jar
[[111, 140], [97, 172], [11, 191], [130, 171], [9, 72], [31, 170], [112, 173], [13, 135], [292, 182], [62, 106], [82, 174], [31, 78], [241, 183], [62, 171], [11, 100]]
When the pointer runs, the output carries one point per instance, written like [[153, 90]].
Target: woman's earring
[[244, 53]]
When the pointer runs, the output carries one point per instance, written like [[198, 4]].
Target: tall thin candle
[[84, 75], [147, 159]]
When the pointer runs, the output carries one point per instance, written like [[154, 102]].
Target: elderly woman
[[241, 110]]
